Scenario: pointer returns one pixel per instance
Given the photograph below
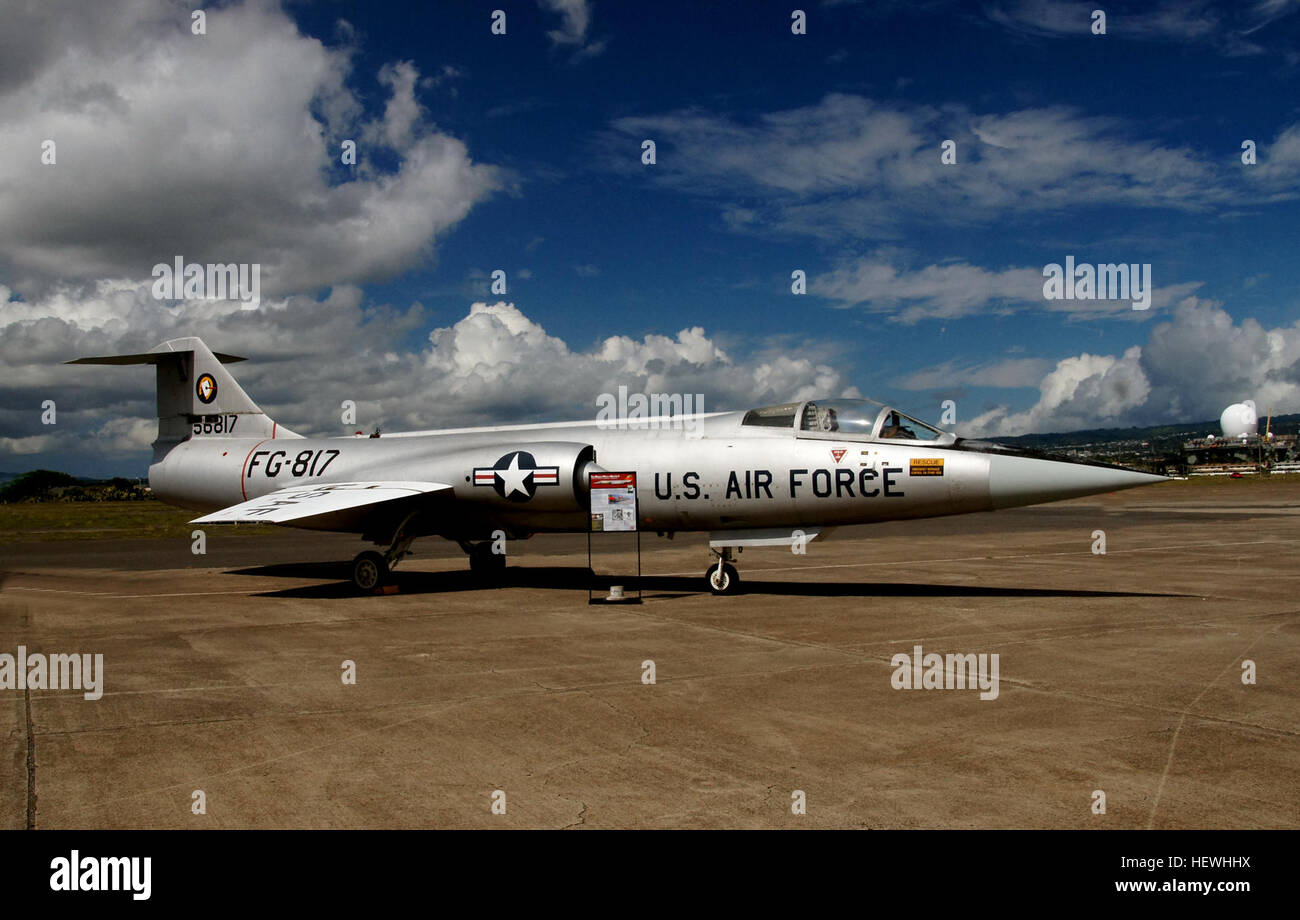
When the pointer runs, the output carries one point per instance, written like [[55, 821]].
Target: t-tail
[[197, 395]]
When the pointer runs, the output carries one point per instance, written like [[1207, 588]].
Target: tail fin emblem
[[206, 389]]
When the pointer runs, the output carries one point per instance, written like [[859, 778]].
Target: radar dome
[[1239, 420]]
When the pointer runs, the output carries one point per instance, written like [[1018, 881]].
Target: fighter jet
[[767, 476]]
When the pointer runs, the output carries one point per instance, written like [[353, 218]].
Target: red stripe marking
[[274, 426], [245, 466]]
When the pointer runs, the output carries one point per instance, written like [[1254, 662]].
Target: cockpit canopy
[[848, 419]]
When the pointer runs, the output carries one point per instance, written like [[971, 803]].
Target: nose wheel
[[723, 578]]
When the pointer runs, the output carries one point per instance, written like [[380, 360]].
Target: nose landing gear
[[723, 577]]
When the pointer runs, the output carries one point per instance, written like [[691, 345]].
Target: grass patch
[[41, 521]]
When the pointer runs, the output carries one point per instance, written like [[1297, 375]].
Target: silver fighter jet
[[764, 477]]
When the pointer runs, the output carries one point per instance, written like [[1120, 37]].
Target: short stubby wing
[[316, 505]]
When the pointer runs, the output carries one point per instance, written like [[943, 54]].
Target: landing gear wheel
[[725, 582], [369, 571], [485, 564]]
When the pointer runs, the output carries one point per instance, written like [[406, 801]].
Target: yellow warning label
[[927, 466]]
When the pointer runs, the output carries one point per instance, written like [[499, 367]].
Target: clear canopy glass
[[858, 419], [842, 416], [772, 417]]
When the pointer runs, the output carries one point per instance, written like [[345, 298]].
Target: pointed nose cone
[[1015, 481]]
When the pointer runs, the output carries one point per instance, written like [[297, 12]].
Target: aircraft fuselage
[[714, 475]]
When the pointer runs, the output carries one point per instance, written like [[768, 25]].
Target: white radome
[[1239, 420]]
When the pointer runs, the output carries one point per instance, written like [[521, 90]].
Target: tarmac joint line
[[31, 761]]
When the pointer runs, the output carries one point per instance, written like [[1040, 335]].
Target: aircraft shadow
[[570, 578]]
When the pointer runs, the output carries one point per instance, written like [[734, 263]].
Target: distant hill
[[51, 485]]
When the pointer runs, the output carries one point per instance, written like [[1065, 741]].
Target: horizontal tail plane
[[196, 394]]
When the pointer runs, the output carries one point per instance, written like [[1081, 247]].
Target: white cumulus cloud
[[223, 147], [1192, 367]]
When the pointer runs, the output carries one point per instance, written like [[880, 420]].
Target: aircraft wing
[[308, 505]]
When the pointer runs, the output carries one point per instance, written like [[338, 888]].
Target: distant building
[[1220, 456]]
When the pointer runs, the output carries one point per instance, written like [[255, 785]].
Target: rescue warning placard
[[926, 466], [613, 501]]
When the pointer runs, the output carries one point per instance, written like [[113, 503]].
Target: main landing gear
[[723, 578], [370, 570], [485, 565]]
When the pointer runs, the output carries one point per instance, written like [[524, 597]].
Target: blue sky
[[775, 152], [527, 104]]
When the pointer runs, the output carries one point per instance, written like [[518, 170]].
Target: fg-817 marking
[[304, 463]]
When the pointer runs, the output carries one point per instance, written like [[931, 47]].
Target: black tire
[[369, 571], [485, 564], [728, 582]]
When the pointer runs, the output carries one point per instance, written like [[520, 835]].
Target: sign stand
[[613, 510]]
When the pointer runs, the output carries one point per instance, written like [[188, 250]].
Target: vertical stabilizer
[[197, 396]]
